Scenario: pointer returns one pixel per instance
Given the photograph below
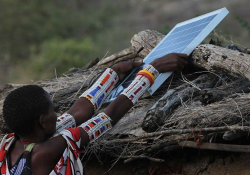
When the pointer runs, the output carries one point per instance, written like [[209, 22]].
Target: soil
[[186, 162]]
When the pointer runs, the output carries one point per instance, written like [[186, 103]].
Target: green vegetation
[[244, 24], [40, 36], [165, 29], [59, 54]]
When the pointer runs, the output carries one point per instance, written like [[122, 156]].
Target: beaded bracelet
[[97, 126], [144, 79], [148, 75], [65, 121], [97, 93]]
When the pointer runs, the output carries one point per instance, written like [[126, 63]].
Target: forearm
[[97, 126], [118, 108], [82, 110], [103, 122], [90, 101], [121, 105]]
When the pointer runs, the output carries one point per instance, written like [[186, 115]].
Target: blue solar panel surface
[[176, 42], [180, 38]]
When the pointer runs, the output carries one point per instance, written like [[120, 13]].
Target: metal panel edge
[[220, 16], [202, 16]]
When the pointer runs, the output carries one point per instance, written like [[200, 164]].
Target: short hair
[[23, 107]]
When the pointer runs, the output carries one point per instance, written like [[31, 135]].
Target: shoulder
[[55, 146], [45, 155]]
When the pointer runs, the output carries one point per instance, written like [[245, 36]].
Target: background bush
[[37, 37]]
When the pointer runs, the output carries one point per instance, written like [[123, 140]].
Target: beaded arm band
[[97, 126], [152, 70], [65, 121], [101, 89], [144, 79]]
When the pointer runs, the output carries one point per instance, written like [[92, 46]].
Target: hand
[[123, 68], [170, 62]]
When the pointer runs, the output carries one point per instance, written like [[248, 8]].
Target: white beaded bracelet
[[139, 85], [101, 88], [97, 126], [65, 121]]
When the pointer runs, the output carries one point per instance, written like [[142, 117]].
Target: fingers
[[137, 63], [182, 55], [178, 61], [182, 60], [170, 62], [126, 66], [130, 64], [181, 66]]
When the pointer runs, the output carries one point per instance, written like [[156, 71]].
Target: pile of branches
[[206, 106]]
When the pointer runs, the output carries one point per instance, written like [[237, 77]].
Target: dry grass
[[226, 112]]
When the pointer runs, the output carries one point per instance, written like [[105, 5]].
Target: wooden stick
[[160, 145], [166, 105], [131, 158], [218, 59], [124, 54], [180, 131], [217, 146]]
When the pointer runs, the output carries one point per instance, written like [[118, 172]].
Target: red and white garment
[[69, 163], [4, 148]]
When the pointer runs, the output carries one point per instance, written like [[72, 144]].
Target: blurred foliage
[[165, 29], [220, 35], [244, 23], [38, 37], [59, 53], [31, 22], [51, 34], [56, 54]]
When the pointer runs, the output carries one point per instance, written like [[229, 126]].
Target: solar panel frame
[[220, 15], [217, 15]]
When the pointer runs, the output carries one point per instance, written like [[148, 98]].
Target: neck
[[35, 137]]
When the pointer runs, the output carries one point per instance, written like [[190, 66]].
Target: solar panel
[[183, 38]]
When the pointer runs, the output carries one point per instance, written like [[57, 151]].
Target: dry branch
[[125, 54], [217, 146], [148, 39], [218, 59], [179, 131], [132, 158], [216, 94], [161, 144], [179, 110], [227, 112], [164, 107]]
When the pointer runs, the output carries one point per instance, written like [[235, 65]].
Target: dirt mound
[[186, 162]]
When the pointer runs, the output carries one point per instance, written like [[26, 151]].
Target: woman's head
[[25, 106]]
